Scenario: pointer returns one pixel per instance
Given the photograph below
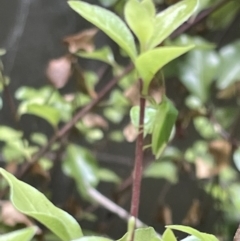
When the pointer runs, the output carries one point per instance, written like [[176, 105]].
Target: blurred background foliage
[[195, 182]]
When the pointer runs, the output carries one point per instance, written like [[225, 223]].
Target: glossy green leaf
[[28, 200], [107, 175], [166, 170], [229, 71], [164, 121], [92, 238], [143, 234], [82, 167], [104, 54], [169, 20], [194, 232], [8, 134], [25, 234], [109, 23], [140, 20], [149, 63], [46, 112], [198, 71], [168, 235]]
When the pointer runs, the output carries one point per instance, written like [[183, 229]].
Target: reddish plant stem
[[68, 126], [138, 165]]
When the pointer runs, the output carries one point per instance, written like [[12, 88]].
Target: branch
[[68, 126], [138, 165]]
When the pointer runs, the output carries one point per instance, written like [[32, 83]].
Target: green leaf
[[93, 238], [149, 6], [28, 200], [164, 121], [109, 23], [198, 71], [25, 234], [82, 167], [143, 234], [18, 148], [166, 170], [149, 118], [224, 15], [193, 102], [168, 235], [149, 63], [229, 70], [169, 20], [191, 238], [8, 134], [104, 54], [46, 112], [204, 127], [107, 175], [140, 20], [194, 232]]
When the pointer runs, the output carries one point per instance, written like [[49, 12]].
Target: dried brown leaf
[[59, 71], [11, 216], [193, 216], [221, 151], [164, 215], [81, 41], [94, 120], [132, 94], [130, 132], [203, 169]]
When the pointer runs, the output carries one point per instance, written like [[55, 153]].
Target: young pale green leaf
[[168, 235], [143, 234], [164, 121], [140, 20], [2, 52], [107, 175], [166, 170], [149, 63], [104, 54], [194, 232], [28, 200], [149, 6], [82, 167], [8, 134], [170, 19], [109, 23], [229, 70], [198, 71], [25, 234]]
